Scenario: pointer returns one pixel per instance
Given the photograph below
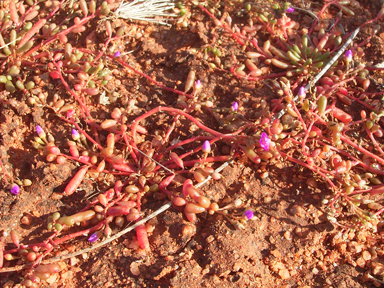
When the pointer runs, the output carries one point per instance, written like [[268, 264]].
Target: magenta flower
[[301, 92], [265, 141], [248, 214], [290, 10], [235, 106], [117, 54], [75, 135], [15, 189], [348, 56], [206, 147]]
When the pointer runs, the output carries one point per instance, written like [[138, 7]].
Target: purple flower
[[290, 10], [75, 135], [206, 146], [40, 132], [348, 56], [15, 189], [94, 237], [302, 92], [235, 106], [117, 54], [248, 214], [265, 141]]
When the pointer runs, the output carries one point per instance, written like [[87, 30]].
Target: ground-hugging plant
[[135, 165], [305, 124], [309, 125]]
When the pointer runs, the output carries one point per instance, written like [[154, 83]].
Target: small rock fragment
[[366, 255], [276, 253], [378, 268], [355, 247], [284, 274], [267, 200], [297, 210], [237, 266], [26, 219], [276, 265], [360, 262], [288, 235], [188, 230], [135, 268], [210, 239], [73, 261]]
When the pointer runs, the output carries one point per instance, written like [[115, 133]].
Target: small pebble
[[377, 268], [26, 220], [366, 255], [355, 247], [284, 274], [188, 230], [297, 210], [135, 269], [73, 261], [210, 239], [299, 232], [288, 235], [267, 200], [237, 266], [360, 262]]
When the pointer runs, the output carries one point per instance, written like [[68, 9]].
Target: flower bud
[[206, 147], [197, 86], [95, 236], [15, 189], [289, 10], [301, 93], [40, 132], [348, 56], [75, 135], [235, 106], [248, 214]]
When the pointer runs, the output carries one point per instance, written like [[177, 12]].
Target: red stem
[[146, 76], [177, 111], [313, 168], [65, 32], [79, 233], [87, 136], [361, 149], [224, 26], [318, 17], [373, 140]]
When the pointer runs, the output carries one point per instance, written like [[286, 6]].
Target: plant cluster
[[136, 164], [306, 124]]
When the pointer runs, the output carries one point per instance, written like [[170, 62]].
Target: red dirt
[[290, 243]]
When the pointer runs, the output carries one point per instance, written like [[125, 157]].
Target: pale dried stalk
[[145, 10], [10, 43]]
